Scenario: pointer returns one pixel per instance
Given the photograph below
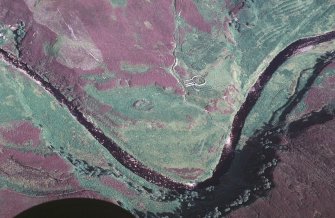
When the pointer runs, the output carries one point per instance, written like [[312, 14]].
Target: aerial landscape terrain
[[169, 108]]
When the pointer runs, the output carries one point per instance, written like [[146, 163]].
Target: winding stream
[[139, 168]]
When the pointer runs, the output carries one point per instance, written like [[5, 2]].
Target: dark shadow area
[[248, 178], [250, 174], [75, 207]]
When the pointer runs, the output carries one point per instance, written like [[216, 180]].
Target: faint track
[[278, 29]]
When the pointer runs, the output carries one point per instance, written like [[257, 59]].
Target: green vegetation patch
[[166, 132], [52, 49], [161, 105], [134, 68], [118, 3]]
